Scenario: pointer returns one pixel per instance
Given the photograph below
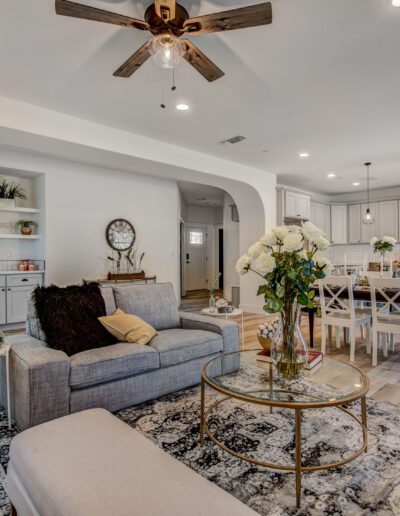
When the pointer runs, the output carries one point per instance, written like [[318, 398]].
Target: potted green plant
[[9, 192], [26, 226]]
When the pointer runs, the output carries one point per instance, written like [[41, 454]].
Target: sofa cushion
[[111, 363], [177, 345], [109, 300], [156, 304], [128, 327]]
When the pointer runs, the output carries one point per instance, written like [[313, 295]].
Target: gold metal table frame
[[298, 468]]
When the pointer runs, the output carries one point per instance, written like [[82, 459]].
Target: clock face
[[120, 235]]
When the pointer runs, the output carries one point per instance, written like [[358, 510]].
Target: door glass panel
[[196, 238]]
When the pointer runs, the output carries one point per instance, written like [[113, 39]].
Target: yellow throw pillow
[[128, 328]]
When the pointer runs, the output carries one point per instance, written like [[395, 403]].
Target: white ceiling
[[201, 195], [323, 78]]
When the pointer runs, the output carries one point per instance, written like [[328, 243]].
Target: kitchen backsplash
[[355, 254]]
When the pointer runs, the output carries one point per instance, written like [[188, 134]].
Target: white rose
[[311, 232], [324, 264], [268, 240], [243, 264], [390, 240], [280, 232], [293, 242], [303, 254], [321, 243], [255, 250], [373, 240], [295, 229], [265, 263]]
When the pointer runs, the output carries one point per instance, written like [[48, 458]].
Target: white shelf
[[20, 237], [7, 273], [18, 209]]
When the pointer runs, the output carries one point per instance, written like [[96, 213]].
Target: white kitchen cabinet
[[297, 205], [320, 216], [388, 219], [3, 314], [370, 230], [339, 224], [17, 300], [355, 223]]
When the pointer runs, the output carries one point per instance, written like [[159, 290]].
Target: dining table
[[360, 293]]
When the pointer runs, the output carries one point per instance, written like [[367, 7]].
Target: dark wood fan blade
[[165, 9], [252, 16], [134, 62], [201, 62], [67, 8]]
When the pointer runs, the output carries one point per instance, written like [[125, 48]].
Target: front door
[[196, 258]]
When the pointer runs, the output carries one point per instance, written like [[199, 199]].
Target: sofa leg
[[13, 510]]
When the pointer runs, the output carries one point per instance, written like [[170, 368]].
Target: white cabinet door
[[297, 205], [3, 305], [17, 300], [388, 219], [290, 205], [370, 230], [339, 224], [320, 216], [354, 223]]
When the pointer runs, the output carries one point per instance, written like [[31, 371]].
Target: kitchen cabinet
[[297, 205], [15, 290], [339, 224], [355, 223], [388, 219], [320, 216], [370, 230]]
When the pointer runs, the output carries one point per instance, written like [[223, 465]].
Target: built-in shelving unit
[[20, 237], [19, 209]]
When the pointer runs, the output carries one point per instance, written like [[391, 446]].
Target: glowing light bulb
[[167, 50]]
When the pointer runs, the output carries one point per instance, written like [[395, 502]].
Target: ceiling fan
[[168, 21]]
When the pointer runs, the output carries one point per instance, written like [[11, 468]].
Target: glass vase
[[289, 350], [212, 306]]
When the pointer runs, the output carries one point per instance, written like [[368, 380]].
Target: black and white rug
[[369, 485]]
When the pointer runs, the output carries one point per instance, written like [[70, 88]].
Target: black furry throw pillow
[[68, 317]]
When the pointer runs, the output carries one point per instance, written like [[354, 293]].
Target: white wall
[[81, 201], [203, 214], [231, 248]]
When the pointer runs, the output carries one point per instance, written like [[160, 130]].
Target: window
[[196, 238]]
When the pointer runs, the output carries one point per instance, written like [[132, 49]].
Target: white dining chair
[[385, 314], [341, 313]]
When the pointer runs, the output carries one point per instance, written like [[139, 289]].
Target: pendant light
[[368, 217]]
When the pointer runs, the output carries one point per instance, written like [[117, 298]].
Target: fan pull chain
[[173, 72], [162, 105]]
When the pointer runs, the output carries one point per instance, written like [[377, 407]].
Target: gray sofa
[[46, 383]]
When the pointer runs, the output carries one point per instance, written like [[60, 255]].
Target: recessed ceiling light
[[304, 154], [182, 107], [356, 183], [331, 175]]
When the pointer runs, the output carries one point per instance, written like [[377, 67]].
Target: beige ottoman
[[92, 464]]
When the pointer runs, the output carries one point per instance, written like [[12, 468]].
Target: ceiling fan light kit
[[168, 21]]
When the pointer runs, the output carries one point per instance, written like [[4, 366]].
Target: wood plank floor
[[385, 378]]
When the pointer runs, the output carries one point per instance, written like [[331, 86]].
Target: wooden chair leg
[[323, 339], [337, 336], [385, 344], [13, 510], [330, 335], [368, 339], [374, 347], [362, 331]]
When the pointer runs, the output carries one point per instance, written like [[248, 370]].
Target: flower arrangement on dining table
[[288, 271], [383, 245]]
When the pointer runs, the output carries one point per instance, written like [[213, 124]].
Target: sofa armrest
[[39, 381], [229, 330]]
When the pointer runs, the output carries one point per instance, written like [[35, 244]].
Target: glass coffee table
[[240, 376]]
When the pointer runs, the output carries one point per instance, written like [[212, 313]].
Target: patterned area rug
[[369, 485]]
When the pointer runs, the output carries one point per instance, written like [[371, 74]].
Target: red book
[[314, 358]]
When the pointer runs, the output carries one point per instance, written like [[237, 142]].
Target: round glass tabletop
[[241, 375]]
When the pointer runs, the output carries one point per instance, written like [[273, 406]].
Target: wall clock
[[120, 235]]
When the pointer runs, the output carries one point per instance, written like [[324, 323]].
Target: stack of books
[[314, 358]]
